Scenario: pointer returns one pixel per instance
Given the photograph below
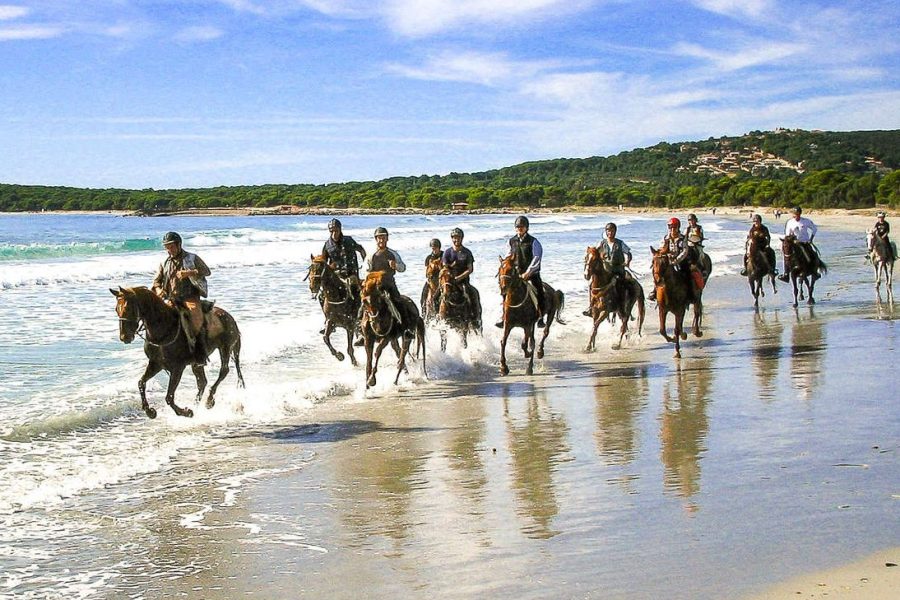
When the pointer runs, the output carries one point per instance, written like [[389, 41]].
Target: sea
[[76, 450]]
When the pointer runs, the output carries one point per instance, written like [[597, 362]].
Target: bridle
[[140, 329]]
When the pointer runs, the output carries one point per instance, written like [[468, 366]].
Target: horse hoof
[[677, 354], [187, 413], [210, 402], [370, 382], [151, 412], [339, 355], [698, 333], [811, 301], [616, 346], [504, 370], [683, 335], [540, 355], [529, 371]]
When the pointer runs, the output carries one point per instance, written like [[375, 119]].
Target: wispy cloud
[[199, 33], [751, 54], [485, 68], [8, 12], [30, 32], [751, 8]]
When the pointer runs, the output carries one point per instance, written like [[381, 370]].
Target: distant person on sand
[[759, 232], [340, 252], [882, 230], [804, 230], [181, 282], [616, 255], [527, 252]]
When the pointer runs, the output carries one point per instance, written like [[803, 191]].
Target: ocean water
[[74, 441]]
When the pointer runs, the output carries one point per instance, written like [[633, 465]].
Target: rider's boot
[[587, 312], [200, 354], [744, 270], [652, 295]]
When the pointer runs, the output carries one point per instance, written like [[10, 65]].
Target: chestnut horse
[[339, 304], [520, 310], [380, 324], [806, 266], [431, 291], [760, 263], [674, 294], [611, 296], [166, 344], [457, 309], [882, 259]]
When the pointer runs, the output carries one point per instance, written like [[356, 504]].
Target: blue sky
[[199, 93]]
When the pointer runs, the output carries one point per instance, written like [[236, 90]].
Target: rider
[[882, 230], [680, 255], [759, 232], [461, 263], [804, 230], [436, 252], [340, 251], [694, 236], [616, 255], [386, 261], [527, 252], [181, 281]]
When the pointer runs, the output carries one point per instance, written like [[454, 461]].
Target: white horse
[[882, 259]]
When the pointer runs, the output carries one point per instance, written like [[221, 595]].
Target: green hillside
[[820, 169]]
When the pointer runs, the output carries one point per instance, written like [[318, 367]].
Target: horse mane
[[373, 280], [152, 307]]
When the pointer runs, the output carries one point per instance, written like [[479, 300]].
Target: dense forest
[[816, 169]]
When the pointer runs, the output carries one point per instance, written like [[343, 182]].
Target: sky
[[200, 93]]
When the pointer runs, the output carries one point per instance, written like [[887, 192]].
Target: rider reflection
[[807, 352]]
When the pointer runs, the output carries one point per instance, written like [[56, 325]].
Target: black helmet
[[692, 216], [456, 232], [522, 222], [435, 243], [334, 224], [380, 231], [171, 238], [796, 210], [756, 217], [610, 226]]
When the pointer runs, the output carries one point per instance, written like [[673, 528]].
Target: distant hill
[[824, 169]]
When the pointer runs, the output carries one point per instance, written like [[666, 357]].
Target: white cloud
[[29, 32], [202, 33], [751, 8], [8, 12], [752, 54], [485, 68]]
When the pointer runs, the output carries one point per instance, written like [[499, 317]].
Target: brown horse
[[458, 308], [339, 303], [882, 258], [674, 294], [806, 266], [611, 296], [431, 291], [166, 344], [520, 310], [760, 263], [380, 324]]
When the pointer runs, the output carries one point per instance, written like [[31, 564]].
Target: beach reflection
[[807, 351], [537, 444], [621, 395], [767, 352], [685, 425]]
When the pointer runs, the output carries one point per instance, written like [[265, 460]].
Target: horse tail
[[560, 304], [236, 357], [420, 342], [641, 308]]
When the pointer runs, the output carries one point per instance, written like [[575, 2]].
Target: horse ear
[[652, 250], [115, 293], [312, 256]]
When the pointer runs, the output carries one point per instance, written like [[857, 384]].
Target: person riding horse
[[617, 256], [461, 263], [340, 251], [684, 256], [694, 237], [527, 253], [436, 252], [431, 289], [804, 231], [181, 281], [760, 233], [882, 230]]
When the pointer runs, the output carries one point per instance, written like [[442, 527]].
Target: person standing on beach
[[616, 255], [804, 230], [527, 253], [882, 230], [760, 233], [181, 282], [340, 251]]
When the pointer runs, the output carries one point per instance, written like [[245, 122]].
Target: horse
[[381, 324], [457, 309], [882, 259], [806, 267], [674, 294], [431, 291], [520, 310], [609, 298], [339, 304], [166, 344], [760, 263]]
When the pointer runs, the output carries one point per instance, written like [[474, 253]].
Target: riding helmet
[[796, 210], [171, 238], [609, 226], [456, 232], [435, 243], [334, 224], [692, 216], [756, 217], [522, 222], [675, 222], [880, 213], [380, 231]]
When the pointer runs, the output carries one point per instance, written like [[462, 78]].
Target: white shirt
[[801, 227]]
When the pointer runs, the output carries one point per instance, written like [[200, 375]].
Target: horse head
[[129, 315], [507, 274], [787, 243], [371, 291], [660, 263], [317, 268]]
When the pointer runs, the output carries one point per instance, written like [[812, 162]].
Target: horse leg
[[590, 345], [351, 331], [529, 341], [622, 330], [200, 376], [378, 350], [504, 368], [370, 350], [174, 379], [236, 356], [698, 318], [754, 291], [663, 315], [679, 331], [794, 283], [152, 369], [329, 329], [403, 352], [812, 286], [224, 356]]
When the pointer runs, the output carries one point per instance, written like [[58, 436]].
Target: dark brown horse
[[380, 324], [431, 291], [457, 309], [760, 263], [520, 310], [674, 294], [166, 344], [611, 296], [806, 266], [339, 303]]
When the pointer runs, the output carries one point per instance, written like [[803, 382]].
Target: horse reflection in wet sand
[[166, 344]]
